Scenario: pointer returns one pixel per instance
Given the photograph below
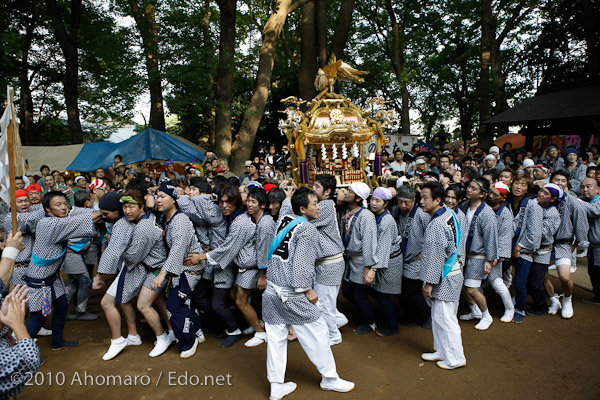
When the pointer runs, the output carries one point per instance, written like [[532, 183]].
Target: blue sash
[[281, 234], [595, 198], [43, 262], [499, 210], [449, 264], [347, 235], [472, 226], [523, 205], [379, 217], [77, 247], [405, 238]]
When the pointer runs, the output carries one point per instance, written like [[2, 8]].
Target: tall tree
[[224, 80], [308, 52], [484, 74], [144, 14], [65, 24]]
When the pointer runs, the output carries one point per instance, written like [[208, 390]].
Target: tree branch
[[297, 4]]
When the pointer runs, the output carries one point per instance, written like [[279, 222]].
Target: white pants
[[314, 340], [327, 300], [447, 340]]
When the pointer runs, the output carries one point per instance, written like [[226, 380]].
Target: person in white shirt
[[398, 165]]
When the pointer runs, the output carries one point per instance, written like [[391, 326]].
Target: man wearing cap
[[495, 151], [27, 220], [80, 183], [360, 239], [398, 165], [540, 175], [575, 169], [412, 221], [548, 199], [46, 288], [98, 188], [553, 159], [385, 278], [481, 252], [330, 262], [490, 162], [35, 195], [573, 229], [246, 172], [420, 166], [443, 255], [170, 172], [528, 167]]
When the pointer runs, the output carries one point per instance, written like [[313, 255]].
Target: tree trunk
[[66, 36], [484, 73], [145, 19], [29, 135], [322, 32], [590, 30], [208, 136], [343, 24], [308, 52], [242, 146], [224, 81], [397, 55]]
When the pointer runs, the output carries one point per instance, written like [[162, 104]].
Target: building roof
[[570, 103]]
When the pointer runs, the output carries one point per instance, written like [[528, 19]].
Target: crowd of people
[[255, 256]]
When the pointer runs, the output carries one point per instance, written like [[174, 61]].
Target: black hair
[[301, 198], [328, 182], [437, 190], [137, 184], [457, 192], [50, 195], [446, 174], [485, 184], [81, 196], [444, 156], [233, 195], [44, 166], [560, 172], [493, 173], [259, 194], [201, 184], [469, 173], [120, 157], [276, 195], [52, 172], [234, 181], [432, 174]]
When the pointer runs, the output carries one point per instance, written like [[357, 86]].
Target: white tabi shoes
[[508, 316], [116, 346], [341, 320], [162, 344], [554, 305], [431, 357], [337, 385], [45, 332], [189, 352], [567, 307], [444, 365], [258, 339], [134, 340], [485, 321], [280, 390], [474, 314]]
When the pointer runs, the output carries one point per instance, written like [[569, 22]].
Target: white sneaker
[[470, 316], [337, 385], [258, 339], [162, 344], [484, 323], [116, 346], [45, 332], [567, 307], [508, 315], [341, 320], [444, 365], [190, 352], [431, 357], [280, 390], [134, 340], [554, 306]]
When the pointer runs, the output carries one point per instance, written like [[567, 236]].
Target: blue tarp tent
[[149, 144]]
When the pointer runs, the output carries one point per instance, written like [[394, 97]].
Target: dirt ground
[[545, 357]]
